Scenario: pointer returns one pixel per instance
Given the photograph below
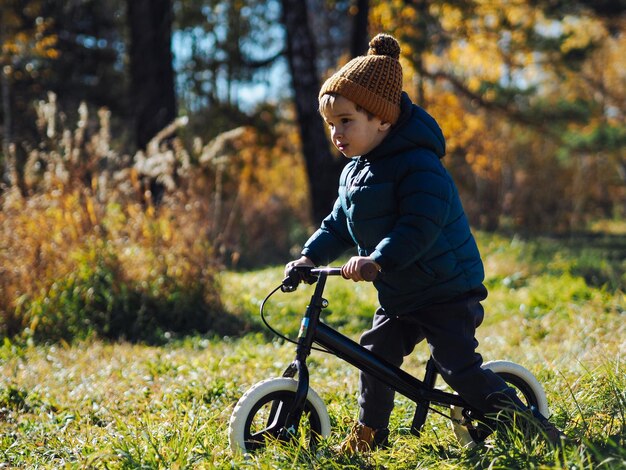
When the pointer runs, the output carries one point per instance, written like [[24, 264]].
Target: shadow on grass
[[597, 257]]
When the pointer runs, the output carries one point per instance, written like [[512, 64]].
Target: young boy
[[398, 205]]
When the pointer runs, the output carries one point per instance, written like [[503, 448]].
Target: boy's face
[[352, 131]]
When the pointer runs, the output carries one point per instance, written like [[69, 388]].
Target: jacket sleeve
[[331, 239], [424, 196]]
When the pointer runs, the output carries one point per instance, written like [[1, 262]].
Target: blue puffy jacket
[[399, 205]]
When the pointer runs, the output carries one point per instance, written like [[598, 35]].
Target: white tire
[[278, 392], [521, 379]]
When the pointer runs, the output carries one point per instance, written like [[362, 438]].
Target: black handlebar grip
[[369, 272]]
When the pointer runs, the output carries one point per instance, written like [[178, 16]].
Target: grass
[[117, 405]]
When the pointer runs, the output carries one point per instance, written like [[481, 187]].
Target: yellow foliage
[[386, 13], [451, 16], [473, 83], [519, 15], [27, 41], [581, 32], [486, 47], [468, 133]]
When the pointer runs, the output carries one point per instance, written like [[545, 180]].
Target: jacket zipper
[[360, 164]]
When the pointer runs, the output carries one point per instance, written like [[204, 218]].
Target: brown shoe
[[362, 438]]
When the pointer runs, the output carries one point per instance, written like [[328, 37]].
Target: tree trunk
[[322, 169], [152, 75], [359, 40]]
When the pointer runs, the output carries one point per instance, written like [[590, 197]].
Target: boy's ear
[[384, 126]]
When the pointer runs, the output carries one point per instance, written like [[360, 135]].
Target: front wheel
[[528, 389], [261, 412]]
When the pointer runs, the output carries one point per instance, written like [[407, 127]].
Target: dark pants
[[449, 330]]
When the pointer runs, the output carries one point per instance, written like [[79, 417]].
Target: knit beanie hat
[[372, 81]]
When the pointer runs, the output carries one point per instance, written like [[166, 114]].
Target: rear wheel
[[260, 415], [528, 389]]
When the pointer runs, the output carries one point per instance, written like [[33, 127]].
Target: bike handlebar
[[308, 274]]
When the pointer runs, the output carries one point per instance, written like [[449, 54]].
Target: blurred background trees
[[530, 93]]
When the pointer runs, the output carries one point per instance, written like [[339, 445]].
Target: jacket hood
[[415, 129]]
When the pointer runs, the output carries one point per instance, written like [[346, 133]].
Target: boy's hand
[[302, 261], [352, 269]]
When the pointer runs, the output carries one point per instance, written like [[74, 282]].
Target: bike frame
[[313, 330]]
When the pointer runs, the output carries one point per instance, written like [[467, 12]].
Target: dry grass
[[93, 241], [101, 405]]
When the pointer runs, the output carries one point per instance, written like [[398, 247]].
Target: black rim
[[279, 404], [528, 395]]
